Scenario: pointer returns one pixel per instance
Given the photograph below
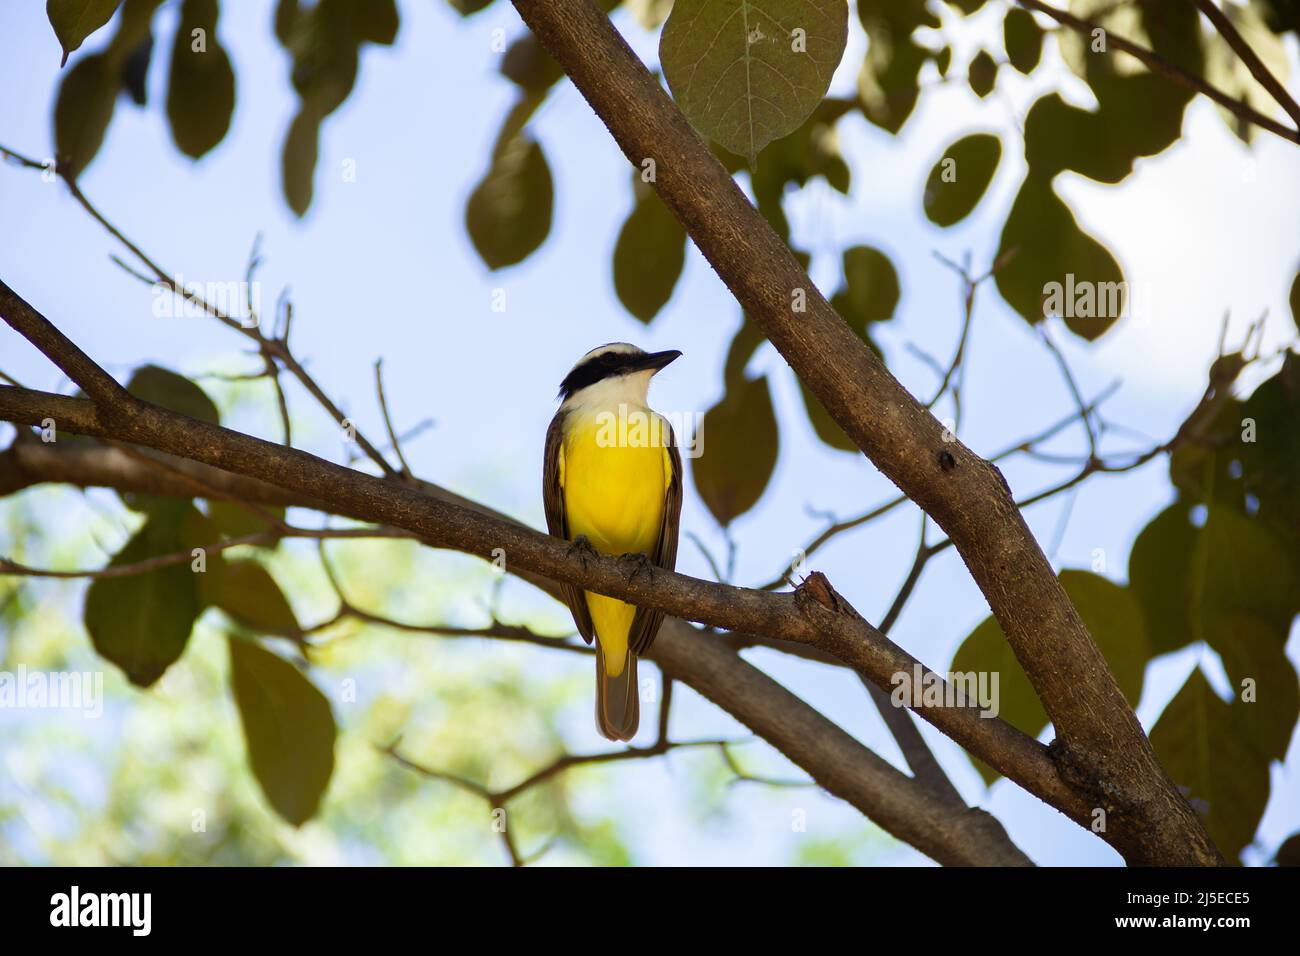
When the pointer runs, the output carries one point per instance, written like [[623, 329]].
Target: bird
[[612, 482]]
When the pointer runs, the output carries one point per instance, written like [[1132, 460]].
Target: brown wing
[[645, 626], [557, 523]]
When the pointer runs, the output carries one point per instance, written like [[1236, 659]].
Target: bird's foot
[[636, 564], [581, 547]]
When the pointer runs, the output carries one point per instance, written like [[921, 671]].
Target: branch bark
[[1102, 746]]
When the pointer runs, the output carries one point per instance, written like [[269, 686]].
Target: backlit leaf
[[298, 160], [983, 74], [83, 110], [74, 20], [870, 290], [288, 727], [960, 178], [888, 82], [739, 442], [1023, 39], [1198, 742], [235, 521], [750, 72], [201, 92], [142, 622], [1057, 268], [1295, 300], [245, 590], [648, 256], [509, 212], [173, 392], [1224, 68]]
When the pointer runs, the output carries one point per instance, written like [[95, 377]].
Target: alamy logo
[[922, 688], [67, 690], [636, 428], [103, 909]]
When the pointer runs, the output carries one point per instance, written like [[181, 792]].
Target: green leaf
[[983, 74], [870, 290], [201, 93], [232, 520], [827, 429], [1255, 658], [141, 622], [1057, 268], [74, 20], [1271, 463], [744, 344], [1113, 618], [811, 150], [509, 213], [868, 293], [1023, 39], [750, 72], [887, 83], [135, 71], [376, 21], [648, 256], [1188, 578], [1288, 854], [298, 160], [83, 110], [246, 591], [960, 178], [1224, 68], [1158, 569], [324, 40], [1295, 300], [739, 443], [1199, 743], [289, 729], [173, 392]]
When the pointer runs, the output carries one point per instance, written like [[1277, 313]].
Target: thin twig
[[1158, 64], [1258, 70]]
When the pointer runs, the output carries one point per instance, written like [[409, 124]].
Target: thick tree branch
[[1108, 753]]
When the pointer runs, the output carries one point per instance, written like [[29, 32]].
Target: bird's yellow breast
[[614, 487]]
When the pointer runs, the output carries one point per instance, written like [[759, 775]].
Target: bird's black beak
[[657, 360]]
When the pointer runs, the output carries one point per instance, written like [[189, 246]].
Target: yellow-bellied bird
[[613, 476]]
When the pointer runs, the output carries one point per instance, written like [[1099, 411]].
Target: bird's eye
[[609, 358]]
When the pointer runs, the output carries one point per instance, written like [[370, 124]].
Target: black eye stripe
[[594, 369]]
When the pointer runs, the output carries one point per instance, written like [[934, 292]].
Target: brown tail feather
[[618, 705]]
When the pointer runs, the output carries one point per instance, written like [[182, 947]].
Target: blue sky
[[381, 267]]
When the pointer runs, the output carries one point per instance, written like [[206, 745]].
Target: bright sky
[[381, 267]]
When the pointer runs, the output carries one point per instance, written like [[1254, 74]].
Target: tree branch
[[1248, 56], [1108, 753], [1158, 64]]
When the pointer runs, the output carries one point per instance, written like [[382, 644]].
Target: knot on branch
[[816, 589], [1082, 774]]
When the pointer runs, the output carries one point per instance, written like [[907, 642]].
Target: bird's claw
[[637, 563], [581, 547]]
